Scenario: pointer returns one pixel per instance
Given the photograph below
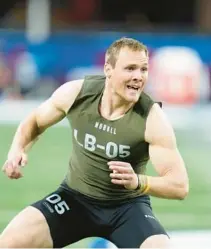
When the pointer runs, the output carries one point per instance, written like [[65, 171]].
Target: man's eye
[[130, 68]]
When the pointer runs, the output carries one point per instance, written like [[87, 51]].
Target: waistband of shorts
[[109, 203]]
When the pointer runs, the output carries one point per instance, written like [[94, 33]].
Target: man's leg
[[28, 229], [55, 221], [135, 226]]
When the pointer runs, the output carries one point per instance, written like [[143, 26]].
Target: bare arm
[[172, 180], [47, 114]]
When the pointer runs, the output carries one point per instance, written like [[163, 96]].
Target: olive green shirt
[[96, 141]]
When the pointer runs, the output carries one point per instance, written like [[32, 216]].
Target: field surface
[[48, 162]]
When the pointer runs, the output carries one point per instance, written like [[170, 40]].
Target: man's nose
[[137, 75]]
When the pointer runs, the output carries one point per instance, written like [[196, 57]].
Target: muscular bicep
[[167, 160], [56, 107], [48, 114], [163, 150]]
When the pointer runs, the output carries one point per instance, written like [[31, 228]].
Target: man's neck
[[112, 106]]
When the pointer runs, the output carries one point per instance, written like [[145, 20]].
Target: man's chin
[[132, 99]]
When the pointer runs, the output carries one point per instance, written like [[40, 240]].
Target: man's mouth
[[136, 88]]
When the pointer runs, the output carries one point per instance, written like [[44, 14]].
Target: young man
[[116, 128]]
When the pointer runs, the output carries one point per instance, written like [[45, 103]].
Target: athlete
[[116, 128]]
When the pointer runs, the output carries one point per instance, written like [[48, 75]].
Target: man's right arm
[[47, 114]]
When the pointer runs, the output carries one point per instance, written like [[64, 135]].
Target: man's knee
[[156, 241]]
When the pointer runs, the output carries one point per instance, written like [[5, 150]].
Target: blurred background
[[44, 43]]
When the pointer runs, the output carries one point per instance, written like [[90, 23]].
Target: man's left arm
[[172, 180]]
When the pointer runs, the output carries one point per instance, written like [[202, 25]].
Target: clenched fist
[[14, 163], [123, 174]]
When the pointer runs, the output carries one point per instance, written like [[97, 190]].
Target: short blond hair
[[114, 49]]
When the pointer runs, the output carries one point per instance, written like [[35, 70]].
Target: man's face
[[128, 77]]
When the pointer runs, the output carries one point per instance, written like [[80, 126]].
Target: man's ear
[[107, 70]]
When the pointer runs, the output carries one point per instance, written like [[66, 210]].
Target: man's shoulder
[[146, 97], [144, 104], [66, 94], [93, 84], [91, 87], [158, 126]]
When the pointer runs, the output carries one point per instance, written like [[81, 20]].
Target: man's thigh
[[135, 223], [28, 229], [67, 219]]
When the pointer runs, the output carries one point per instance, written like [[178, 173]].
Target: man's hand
[[14, 163], [123, 174]]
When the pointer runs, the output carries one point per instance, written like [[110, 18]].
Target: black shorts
[[72, 216]]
